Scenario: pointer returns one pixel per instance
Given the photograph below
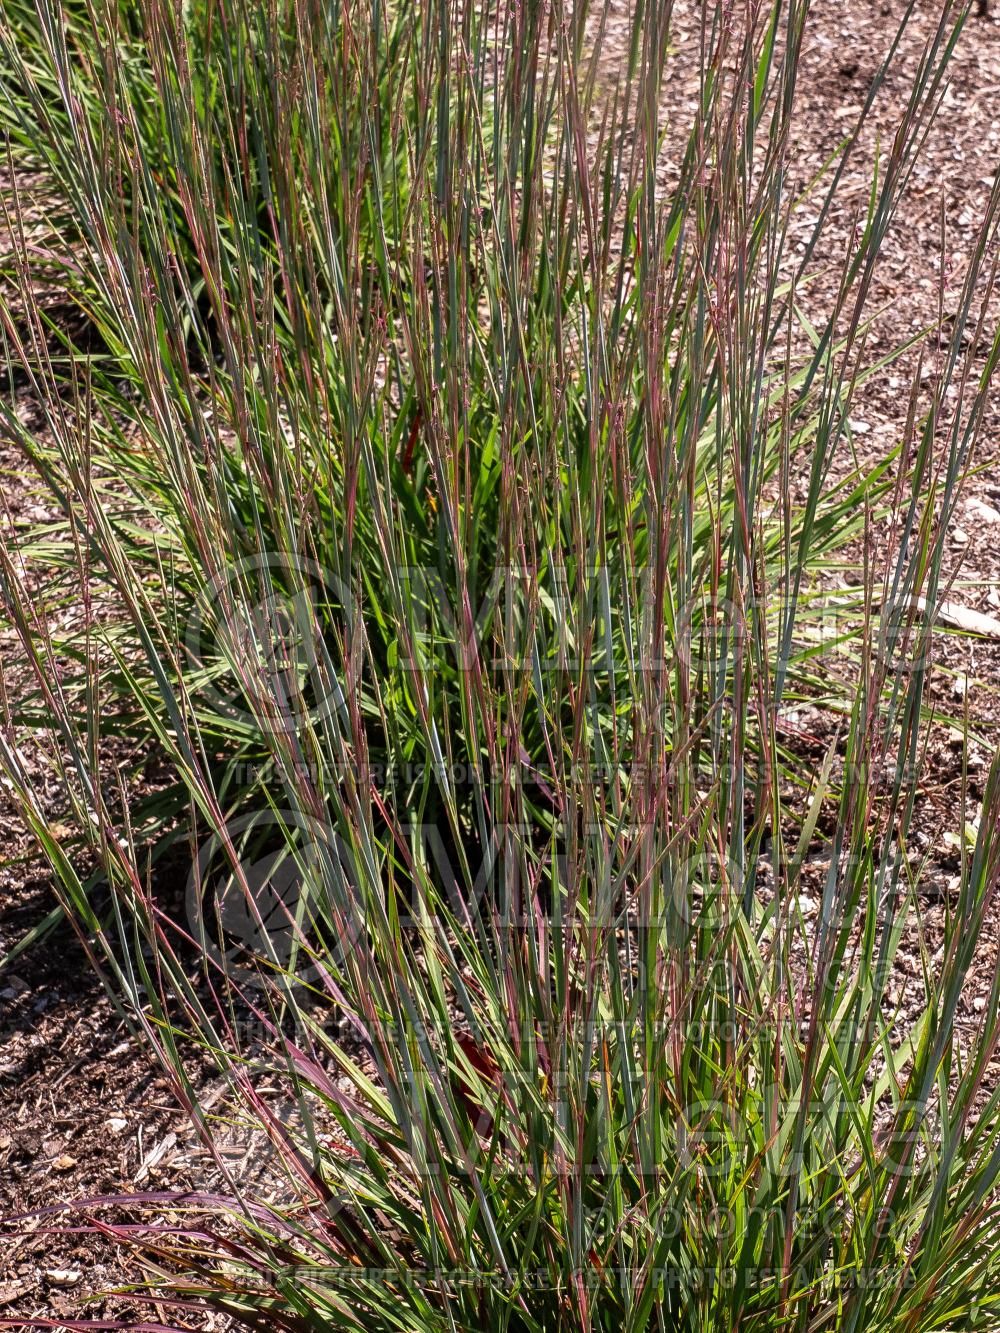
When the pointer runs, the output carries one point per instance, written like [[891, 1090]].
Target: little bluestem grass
[[427, 517]]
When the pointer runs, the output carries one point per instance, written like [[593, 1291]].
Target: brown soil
[[82, 1110]]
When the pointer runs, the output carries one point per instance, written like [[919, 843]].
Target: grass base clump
[[427, 515]]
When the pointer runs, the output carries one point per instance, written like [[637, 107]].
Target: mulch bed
[[82, 1110]]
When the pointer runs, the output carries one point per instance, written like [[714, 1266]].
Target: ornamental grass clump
[[451, 478]]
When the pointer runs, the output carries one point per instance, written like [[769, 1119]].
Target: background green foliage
[[427, 518]]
